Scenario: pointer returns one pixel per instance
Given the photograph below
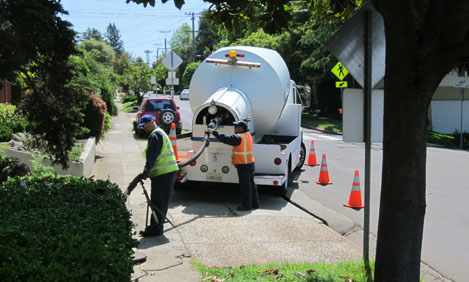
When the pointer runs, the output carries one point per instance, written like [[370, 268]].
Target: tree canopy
[[37, 43]]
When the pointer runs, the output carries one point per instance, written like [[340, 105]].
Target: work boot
[[151, 232]]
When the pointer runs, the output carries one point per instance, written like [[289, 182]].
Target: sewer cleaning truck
[[251, 84]]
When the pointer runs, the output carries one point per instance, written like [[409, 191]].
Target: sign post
[[461, 85], [361, 45], [172, 61]]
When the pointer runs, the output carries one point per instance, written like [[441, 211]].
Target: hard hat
[[241, 123], [145, 119]]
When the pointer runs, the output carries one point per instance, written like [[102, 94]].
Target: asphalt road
[[445, 245]]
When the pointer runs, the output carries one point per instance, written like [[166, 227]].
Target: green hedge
[[64, 229]]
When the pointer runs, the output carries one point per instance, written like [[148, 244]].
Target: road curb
[[336, 221]]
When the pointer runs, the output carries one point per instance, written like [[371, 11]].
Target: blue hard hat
[[241, 123], [145, 119]]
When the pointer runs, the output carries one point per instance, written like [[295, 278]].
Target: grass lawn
[[441, 139], [3, 147], [310, 272], [335, 126], [324, 123]]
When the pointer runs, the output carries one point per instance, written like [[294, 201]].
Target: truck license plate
[[214, 176]]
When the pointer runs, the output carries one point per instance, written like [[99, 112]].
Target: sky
[[140, 28]]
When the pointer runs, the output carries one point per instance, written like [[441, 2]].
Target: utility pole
[[148, 57], [158, 49], [164, 32], [157, 44], [193, 35]]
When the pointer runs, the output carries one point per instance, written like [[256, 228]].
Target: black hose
[[205, 143]]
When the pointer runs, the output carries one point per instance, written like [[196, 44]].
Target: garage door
[[446, 116]]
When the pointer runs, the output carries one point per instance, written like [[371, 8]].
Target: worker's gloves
[[144, 174]]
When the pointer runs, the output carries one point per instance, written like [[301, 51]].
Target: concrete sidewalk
[[208, 227]]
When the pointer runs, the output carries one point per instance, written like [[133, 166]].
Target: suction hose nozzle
[[214, 123]]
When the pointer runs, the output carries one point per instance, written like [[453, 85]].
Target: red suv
[[165, 112]]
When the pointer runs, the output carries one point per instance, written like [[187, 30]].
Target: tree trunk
[[422, 45], [402, 207]]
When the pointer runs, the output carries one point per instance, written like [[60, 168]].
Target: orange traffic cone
[[324, 174], [172, 137], [355, 200], [312, 155]]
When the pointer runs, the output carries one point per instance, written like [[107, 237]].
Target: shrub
[[6, 161], [5, 133], [10, 167], [95, 113], [129, 107], [128, 98], [107, 122], [457, 139], [107, 94], [10, 117], [64, 229]]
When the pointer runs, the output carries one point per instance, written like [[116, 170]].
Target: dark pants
[[161, 189], [247, 186]]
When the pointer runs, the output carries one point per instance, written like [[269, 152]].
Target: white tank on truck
[[256, 91], [251, 84]]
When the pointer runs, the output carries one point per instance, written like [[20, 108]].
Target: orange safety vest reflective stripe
[[242, 154]]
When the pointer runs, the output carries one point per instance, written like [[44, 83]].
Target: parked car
[[184, 94], [163, 109]]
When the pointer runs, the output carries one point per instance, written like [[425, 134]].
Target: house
[[5, 91], [444, 114]]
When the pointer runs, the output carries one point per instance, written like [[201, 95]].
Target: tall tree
[[425, 39], [114, 38], [36, 43], [91, 34]]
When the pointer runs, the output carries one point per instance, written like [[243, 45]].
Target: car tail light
[[277, 161], [275, 182], [193, 163]]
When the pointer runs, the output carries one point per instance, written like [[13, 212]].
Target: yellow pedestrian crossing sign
[[340, 71], [341, 84]]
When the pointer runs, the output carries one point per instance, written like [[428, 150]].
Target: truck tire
[[167, 117], [302, 157]]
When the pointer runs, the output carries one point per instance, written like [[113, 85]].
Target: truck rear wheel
[[302, 157]]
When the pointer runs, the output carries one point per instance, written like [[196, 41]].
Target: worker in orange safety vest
[[243, 160]]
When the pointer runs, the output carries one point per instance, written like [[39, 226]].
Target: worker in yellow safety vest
[[243, 160], [161, 167]]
